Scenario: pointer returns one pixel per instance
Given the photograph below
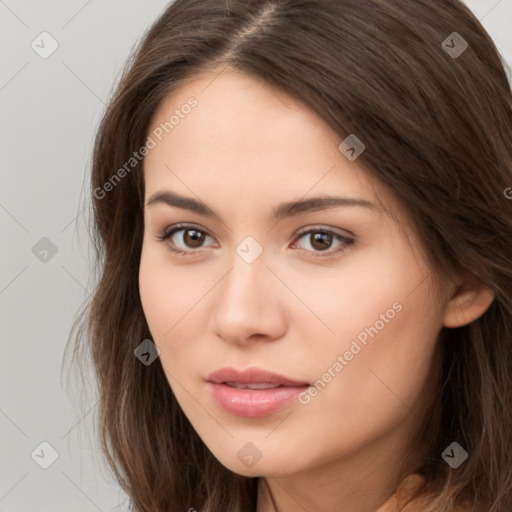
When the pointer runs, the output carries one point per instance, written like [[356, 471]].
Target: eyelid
[[318, 227], [346, 240], [182, 226]]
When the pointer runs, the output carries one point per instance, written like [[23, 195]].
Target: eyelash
[[168, 232]]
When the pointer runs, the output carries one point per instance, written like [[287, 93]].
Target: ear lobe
[[469, 302]]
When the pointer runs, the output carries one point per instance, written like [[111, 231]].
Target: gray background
[[50, 109]]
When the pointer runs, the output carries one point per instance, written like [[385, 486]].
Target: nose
[[249, 303]]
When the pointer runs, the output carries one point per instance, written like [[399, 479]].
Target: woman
[[303, 220]]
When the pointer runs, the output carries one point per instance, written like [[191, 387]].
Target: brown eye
[[193, 238], [320, 241], [190, 239]]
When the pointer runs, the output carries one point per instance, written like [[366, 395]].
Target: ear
[[470, 301]]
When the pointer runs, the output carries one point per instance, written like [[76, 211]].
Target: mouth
[[260, 385], [252, 377], [254, 392]]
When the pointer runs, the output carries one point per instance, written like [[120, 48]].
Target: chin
[[274, 465]]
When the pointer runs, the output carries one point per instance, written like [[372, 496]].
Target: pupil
[[322, 237], [321, 240], [196, 237]]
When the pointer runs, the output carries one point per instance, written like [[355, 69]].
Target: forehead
[[241, 127], [240, 112], [247, 140]]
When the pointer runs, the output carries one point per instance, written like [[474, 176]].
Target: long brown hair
[[436, 119]]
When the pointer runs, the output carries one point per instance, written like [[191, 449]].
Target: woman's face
[[332, 297]]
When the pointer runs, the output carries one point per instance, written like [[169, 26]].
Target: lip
[[252, 403]]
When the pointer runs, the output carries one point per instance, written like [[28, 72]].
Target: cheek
[[164, 290], [351, 297], [172, 297], [152, 291], [385, 370], [161, 304], [383, 351]]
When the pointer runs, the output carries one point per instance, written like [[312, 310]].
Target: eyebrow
[[282, 211]]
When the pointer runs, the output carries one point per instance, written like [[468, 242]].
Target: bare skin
[[244, 149]]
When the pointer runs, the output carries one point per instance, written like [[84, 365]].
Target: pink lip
[[252, 403]]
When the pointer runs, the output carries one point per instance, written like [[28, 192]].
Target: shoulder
[[405, 491], [407, 487]]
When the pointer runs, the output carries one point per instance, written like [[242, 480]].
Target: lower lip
[[254, 403]]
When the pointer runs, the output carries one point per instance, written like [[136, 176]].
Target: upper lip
[[251, 376]]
